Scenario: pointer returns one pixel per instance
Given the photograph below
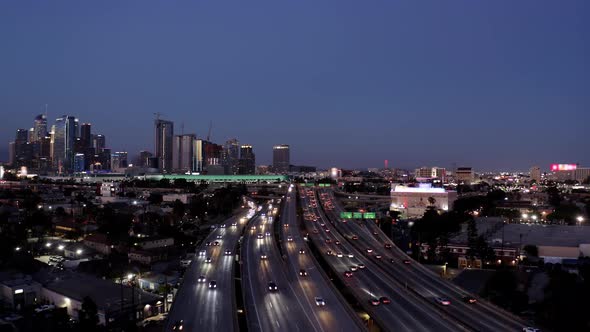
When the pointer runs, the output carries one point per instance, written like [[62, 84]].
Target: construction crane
[[209, 133], [157, 114]]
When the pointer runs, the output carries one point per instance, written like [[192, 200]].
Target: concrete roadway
[[404, 313], [201, 308], [281, 310], [336, 315], [481, 316]]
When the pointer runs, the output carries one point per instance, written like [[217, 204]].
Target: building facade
[[163, 145], [281, 158], [412, 202]]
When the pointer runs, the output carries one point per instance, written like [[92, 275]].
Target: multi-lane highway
[[404, 312], [270, 298], [199, 306], [480, 316], [310, 281]]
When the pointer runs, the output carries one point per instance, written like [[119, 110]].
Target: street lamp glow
[[534, 217], [525, 216], [48, 245], [580, 218], [129, 276], [79, 251], [17, 248], [61, 247]]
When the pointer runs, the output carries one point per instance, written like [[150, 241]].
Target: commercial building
[[231, 156], [143, 160], [431, 173], [183, 153], [98, 142], [247, 164], [63, 134], [163, 144], [412, 202], [535, 174], [119, 162], [280, 158], [39, 127], [464, 175]]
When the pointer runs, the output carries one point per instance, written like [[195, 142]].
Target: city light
[[61, 247], [525, 216], [48, 245], [79, 252]]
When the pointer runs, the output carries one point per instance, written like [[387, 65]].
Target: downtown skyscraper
[[164, 144], [280, 158]]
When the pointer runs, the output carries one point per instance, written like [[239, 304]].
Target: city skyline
[[357, 84]]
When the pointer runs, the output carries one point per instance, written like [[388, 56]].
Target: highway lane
[[267, 310], [335, 315], [202, 308], [405, 313], [482, 316]]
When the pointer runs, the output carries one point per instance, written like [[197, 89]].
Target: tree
[[88, 315], [531, 250], [431, 201], [178, 208], [155, 198], [567, 213]]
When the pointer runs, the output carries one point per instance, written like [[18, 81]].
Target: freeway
[[311, 282], [481, 316], [200, 307], [267, 308], [404, 313]]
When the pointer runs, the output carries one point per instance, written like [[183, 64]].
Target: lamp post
[[580, 220]]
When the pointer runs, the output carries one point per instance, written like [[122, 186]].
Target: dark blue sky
[[495, 85]]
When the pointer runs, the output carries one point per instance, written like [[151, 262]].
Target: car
[[469, 299], [178, 325], [272, 287], [374, 302], [327, 230], [212, 284], [350, 255], [328, 240], [303, 273], [378, 256], [442, 301], [353, 268], [530, 329], [354, 237], [201, 279], [301, 251], [267, 234], [285, 225], [369, 250], [208, 260], [322, 224], [208, 244], [219, 237], [260, 236], [319, 301], [407, 261], [253, 228], [384, 300], [375, 233], [392, 260], [329, 253], [202, 253], [227, 252], [263, 256], [348, 274], [222, 225], [315, 231], [216, 243], [361, 266], [337, 243], [387, 246], [339, 254], [234, 224], [289, 238]]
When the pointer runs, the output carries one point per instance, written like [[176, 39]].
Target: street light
[[580, 220], [61, 247], [79, 252]]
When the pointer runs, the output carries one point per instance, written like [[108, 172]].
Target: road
[[201, 308], [481, 316], [280, 310], [336, 315], [405, 312]]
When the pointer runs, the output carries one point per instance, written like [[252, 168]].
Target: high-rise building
[[143, 159], [39, 127], [183, 153], [98, 142], [431, 173], [11, 153], [199, 159], [79, 163], [118, 162], [535, 173], [163, 145], [247, 164], [62, 144], [23, 150], [231, 156], [280, 158], [86, 135], [464, 175]]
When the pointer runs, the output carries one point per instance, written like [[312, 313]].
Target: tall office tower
[[535, 173], [183, 153], [247, 164], [98, 142], [39, 127], [86, 135], [163, 139], [119, 162], [62, 151], [23, 150], [79, 163], [11, 154], [280, 158], [231, 156], [143, 159]]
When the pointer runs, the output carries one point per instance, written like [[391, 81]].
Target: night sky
[[495, 85]]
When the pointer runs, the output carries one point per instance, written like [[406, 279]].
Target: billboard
[[563, 167], [357, 215], [369, 215]]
